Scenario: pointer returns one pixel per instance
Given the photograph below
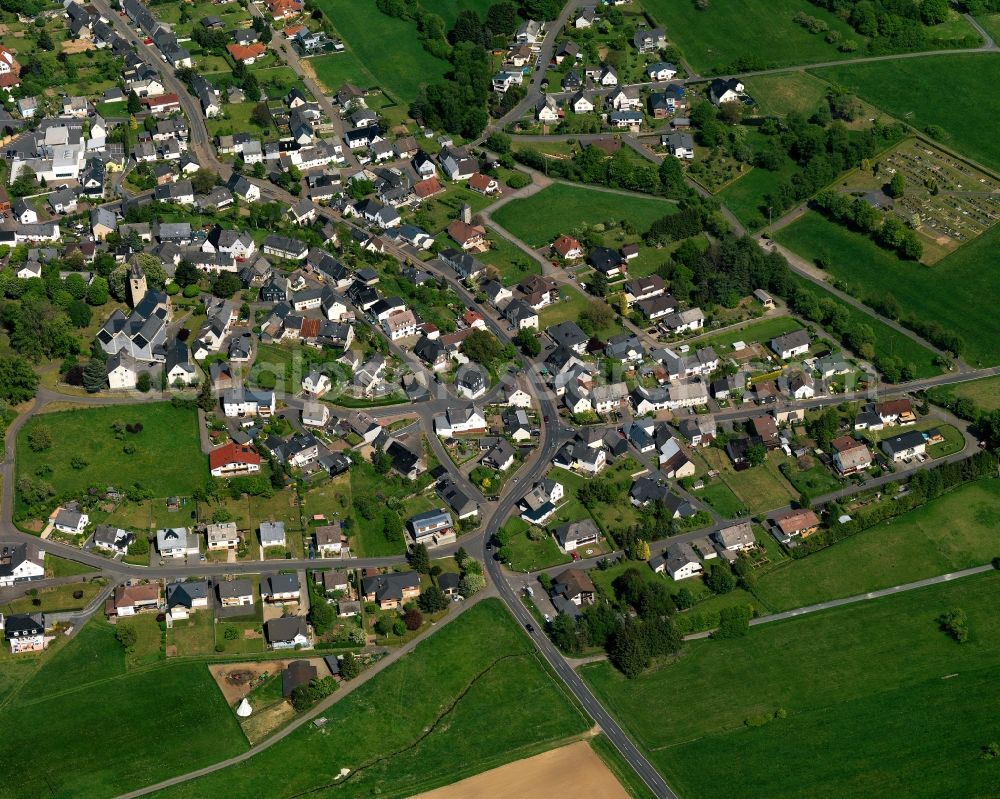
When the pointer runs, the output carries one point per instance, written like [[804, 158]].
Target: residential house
[[725, 90], [272, 534], [176, 542], [791, 345], [288, 632], [850, 455], [280, 588], [391, 590], [222, 536], [235, 593], [576, 535], [70, 520], [233, 459], [905, 446], [21, 563], [679, 560], [794, 523]]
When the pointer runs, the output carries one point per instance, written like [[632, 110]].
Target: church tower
[[136, 284]]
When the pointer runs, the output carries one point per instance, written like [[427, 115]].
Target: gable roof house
[[648, 40], [792, 523], [280, 587], [287, 632], [575, 535], [391, 590], [21, 563]]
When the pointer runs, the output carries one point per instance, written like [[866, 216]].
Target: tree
[[432, 600], [382, 461], [39, 439], [94, 375], [350, 666], [596, 316], [897, 185], [485, 348], [597, 284], [933, 12], [231, 632], [471, 584], [529, 345], [383, 626], [226, 285], [956, 623], [756, 454], [501, 18], [642, 550], [261, 116], [468, 28], [143, 382], [204, 180], [420, 559], [399, 628], [321, 615], [79, 313], [186, 274], [97, 291], [734, 622], [564, 633], [133, 104], [412, 619], [126, 635], [720, 579], [18, 381], [629, 653]]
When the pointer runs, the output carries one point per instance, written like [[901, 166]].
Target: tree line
[[884, 228]]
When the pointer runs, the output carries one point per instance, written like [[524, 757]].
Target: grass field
[[900, 88], [400, 69], [529, 555], [956, 531], [560, 208], [55, 599], [744, 196], [985, 393], [418, 725], [570, 306], [868, 709], [88, 724], [61, 567], [713, 38], [991, 22], [777, 95], [960, 291], [88, 434]]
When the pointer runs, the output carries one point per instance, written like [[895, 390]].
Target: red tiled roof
[[425, 188], [232, 453], [241, 52]]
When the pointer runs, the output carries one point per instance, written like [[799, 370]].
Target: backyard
[[863, 691], [759, 488]]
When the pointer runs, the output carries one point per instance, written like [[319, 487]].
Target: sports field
[[879, 702], [901, 88], [956, 531], [560, 208], [726, 30], [960, 292], [380, 51], [471, 697], [91, 728], [167, 456]]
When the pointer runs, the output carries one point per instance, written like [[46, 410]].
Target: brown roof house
[[850, 455], [572, 586], [467, 236], [794, 523], [128, 600]]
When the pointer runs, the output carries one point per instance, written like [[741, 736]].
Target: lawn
[[713, 38], [537, 220], [953, 532], [61, 567], [744, 197], [959, 291], [814, 482], [195, 635], [717, 494], [760, 488], [56, 599], [760, 331], [368, 536], [400, 70], [87, 434], [494, 702], [87, 724], [778, 95], [867, 707], [532, 554], [900, 87]]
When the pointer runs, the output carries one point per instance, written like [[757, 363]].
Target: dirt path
[[575, 770]]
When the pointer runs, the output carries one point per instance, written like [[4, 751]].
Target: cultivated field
[[561, 208], [399, 68], [960, 291], [879, 702], [167, 458], [575, 769], [901, 88], [87, 724], [909, 548], [418, 725]]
